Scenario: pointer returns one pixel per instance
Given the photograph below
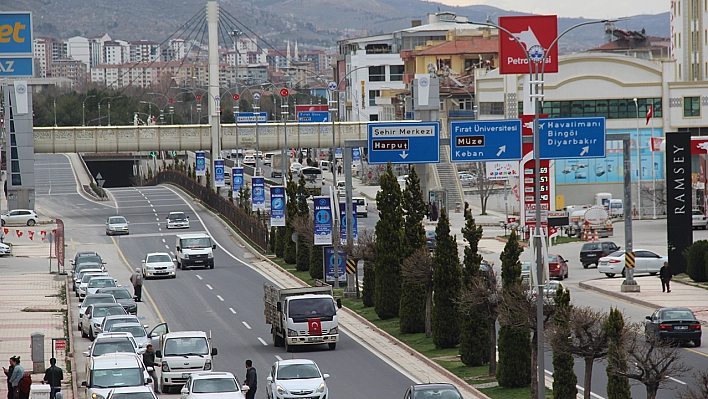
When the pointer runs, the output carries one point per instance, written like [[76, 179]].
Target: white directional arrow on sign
[[404, 155], [502, 149], [98, 176], [584, 151]]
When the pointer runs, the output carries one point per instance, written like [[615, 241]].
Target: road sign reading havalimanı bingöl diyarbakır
[[473, 141], [570, 138], [404, 143]]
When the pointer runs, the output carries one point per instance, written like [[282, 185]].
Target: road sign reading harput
[[404, 143], [536, 33], [473, 141], [570, 138]]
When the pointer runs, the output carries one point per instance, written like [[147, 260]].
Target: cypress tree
[[697, 255], [447, 284], [474, 329], [273, 239], [316, 265], [564, 379], [291, 211], [368, 292], [412, 308], [617, 386], [280, 242], [389, 247], [514, 367], [303, 211]]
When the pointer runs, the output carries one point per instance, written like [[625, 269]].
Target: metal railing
[[248, 225]]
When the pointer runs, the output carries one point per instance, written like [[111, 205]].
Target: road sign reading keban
[[571, 138], [535, 33], [473, 141], [404, 143]]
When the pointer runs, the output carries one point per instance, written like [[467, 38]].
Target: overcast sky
[[573, 8]]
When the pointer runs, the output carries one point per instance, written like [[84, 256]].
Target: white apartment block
[[689, 39], [79, 48], [144, 51], [116, 52]]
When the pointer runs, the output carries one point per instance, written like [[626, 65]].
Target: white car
[[141, 392], [645, 261], [90, 300], [177, 220], [158, 264], [116, 225], [213, 385], [5, 249], [21, 217], [94, 315], [98, 282], [249, 160], [119, 370], [137, 330], [112, 343], [467, 179], [84, 269], [295, 167], [296, 378], [82, 288], [698, 220]]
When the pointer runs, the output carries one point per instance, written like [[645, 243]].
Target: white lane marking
[[163, 240], [160, 229], [167, 246], [173, 254], [246, 324], [220, 298], [262, 341], [679, 381], [158, 219], [198, 276], [232, 310], [279, 358], [209, 286]]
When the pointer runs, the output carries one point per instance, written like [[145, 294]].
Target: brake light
[[666, 327], [694, 327], [615, 261]]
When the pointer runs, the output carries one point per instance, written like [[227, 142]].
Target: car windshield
[[112, 378], [297, 371], [186, 346], [137, 331], [592, 246], [444, 393], [102, 299], [677, 314], [121, 294], [88, 259], [430, 233], [103, 311], [102, 282], [101, 348], [86, 278], [697, 213], [196, 242], [214, 385], [158, 258], [616, 254], [311, 307], [117, 220], [177, 216], [133, 395], [108, 323]]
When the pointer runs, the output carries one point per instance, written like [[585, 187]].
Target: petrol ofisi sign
[[535, 33]]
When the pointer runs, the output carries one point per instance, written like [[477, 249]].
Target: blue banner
[[356, 155], [16, 67], [323, 221], [219, 177], [277, 206], [338, 153], [236, 180], [343, 225], [201, 163], [329, 266], [258, 193]]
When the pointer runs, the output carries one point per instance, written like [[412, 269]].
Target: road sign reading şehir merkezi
[[569, 138], [473, 141], [404, 143]]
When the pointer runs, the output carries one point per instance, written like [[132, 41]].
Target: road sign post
[[404, 143], [473, 141]]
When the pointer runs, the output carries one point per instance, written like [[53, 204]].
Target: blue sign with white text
[[258, 193], [329, 265], [219, 176], [277, 206], [343, 225], [323, 221], [356, 154], [236, 180], [16, 33], [250, 117], [313, 116], [570, 138], [472, 141], [200, 163], [338, 153], [404, 143], [16, 67]]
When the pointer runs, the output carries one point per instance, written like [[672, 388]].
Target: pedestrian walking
[[429, 211], [137, 280], [8, 374], [149, 361], [435, 213], [17, 373], [251, 380], [665, 276], [53, 376]]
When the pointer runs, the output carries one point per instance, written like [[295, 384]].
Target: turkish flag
[[650, 113], [315, 326]]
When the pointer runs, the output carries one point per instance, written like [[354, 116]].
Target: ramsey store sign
[[535, 33]]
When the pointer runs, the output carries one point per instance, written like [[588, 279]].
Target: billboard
[[219, 176], [277, 206], [16, 34], [535, 33], [257, 193]]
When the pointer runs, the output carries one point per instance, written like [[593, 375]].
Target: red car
[[557, 267]]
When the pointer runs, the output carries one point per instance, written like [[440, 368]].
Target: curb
[[586, 286], [70, 327]]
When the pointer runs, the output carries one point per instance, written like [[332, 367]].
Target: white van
[[362, 206], [183, 353], [194, 250], [113, 370]]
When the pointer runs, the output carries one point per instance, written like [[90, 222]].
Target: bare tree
[[484, 185], [654, 193], [305, 228], [364, 248], [485, 294], [701, 389], [418, 268], [587, 339], [651, 361]]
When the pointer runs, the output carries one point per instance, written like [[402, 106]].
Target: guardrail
[[249, 226]]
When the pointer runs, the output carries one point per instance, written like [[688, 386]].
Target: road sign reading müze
[[473, 141], [570, 138], [404, 143]]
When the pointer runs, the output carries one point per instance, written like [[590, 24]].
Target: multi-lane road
[[227, 300]]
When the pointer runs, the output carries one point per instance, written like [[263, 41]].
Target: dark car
[[674, 324], [432, 391], [123, 297], [591, 252], [431, 239], [557, 267]]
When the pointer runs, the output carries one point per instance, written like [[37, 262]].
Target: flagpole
[[653, 167]]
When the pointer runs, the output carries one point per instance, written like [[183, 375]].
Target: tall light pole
[[83, 110], [639, 163], [55, 111], [109, 110], [257, 109], [99, 109]]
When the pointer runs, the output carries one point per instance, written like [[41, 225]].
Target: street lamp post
[[109, 111], [55, 111], [99, 109], [639, 164], [83, 110]]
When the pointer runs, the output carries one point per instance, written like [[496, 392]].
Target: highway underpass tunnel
[[115, 171]]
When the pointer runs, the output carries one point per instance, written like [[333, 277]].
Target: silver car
[[94, 315], [82, 288], [90, 300], [158, 264], [116, 225], [136, 329], [20, 217]]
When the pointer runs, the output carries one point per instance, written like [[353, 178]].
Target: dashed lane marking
[[262, 341], [246, 324], [220, 298], [232, 310], [209, 286], [199, 277]]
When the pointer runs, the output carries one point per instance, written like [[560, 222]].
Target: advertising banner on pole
[[535, 33], [236, 180], [277, 206], [502, 170], [200, 163], [323, 221], [329, 266], [356, 155], [258, 193], [219, 177], [343, 224]]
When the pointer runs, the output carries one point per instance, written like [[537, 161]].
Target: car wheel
[[332, 346], [3, 222], [610, 275], [697, 342], [585, 265], [211, 266], [174, 276], [79, 325], [91, 336], [83, 334], [31, 222]]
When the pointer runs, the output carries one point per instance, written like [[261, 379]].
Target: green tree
[[474, 331], [696, 256], [291, 212], [511, 266], [564, 379], [389, 247], [273, 239], [280, 241], [303, 210], [617, 383], [413, 294], [447, 284], [316, 259], [207, 177]]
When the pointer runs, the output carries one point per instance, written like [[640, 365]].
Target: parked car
[[137, 330], [177, 220], [90, 300], [110, 321], [141, 392], [112, 343], [82, 288], [431, 239], [674, 324], [645, 261], [289, 377], [116, 225], [122, 296], [249, 160], [5, 249], [82, 254], [591, 252], [208, 385], [549, 289], [81, 270], [557, 267], [105, 373], [22, 217], [432, 391], [159, 264], [99, 282], [94, 315], [526, 274], [467, 179], [698, 219]]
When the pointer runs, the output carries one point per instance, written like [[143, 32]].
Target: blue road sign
[[472, 141], [219, 177], [250, 117], [404, 143], [16, 67], [570, 138], [200, 163], [16, 34], [236, 180], [313, 116]]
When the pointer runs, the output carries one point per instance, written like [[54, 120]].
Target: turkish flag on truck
[[314, 326]]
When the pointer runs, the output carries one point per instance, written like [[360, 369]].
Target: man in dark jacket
[[149, 361], [665, 276], [251, 380], [53, 376]]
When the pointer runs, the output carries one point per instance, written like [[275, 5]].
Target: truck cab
[[194, 250], [181, 354]]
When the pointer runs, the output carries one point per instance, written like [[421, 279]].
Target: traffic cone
[[595, 237]]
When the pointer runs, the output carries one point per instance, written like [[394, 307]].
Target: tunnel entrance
[[116, 173]]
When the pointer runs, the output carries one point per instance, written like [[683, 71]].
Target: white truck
[[276, 166], [594, 219], [183, 353], [302, 316], [195, 249]]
